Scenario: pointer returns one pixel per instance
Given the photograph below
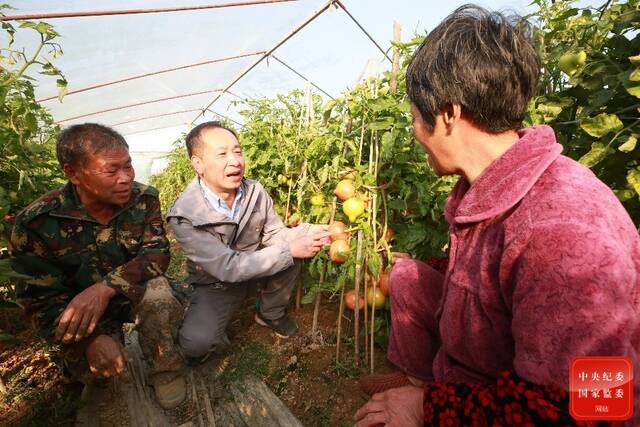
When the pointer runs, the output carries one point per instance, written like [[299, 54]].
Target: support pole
[[395, 67], [152, 73], [83, 14], [366, 33], [306, 22], [138, 104]]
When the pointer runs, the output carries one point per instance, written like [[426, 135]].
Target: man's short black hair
[[483, 61], [77, 143], [194, 140]]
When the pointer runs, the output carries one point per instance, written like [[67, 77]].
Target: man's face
[[434, 141], [219, 162], [104, 178]]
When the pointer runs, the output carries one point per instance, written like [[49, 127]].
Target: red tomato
[[339, 251], [337, 231], [350, 300]]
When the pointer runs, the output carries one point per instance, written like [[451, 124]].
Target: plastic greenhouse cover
[[331, 51]]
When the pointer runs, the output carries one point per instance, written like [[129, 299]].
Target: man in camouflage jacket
[[95, 251]]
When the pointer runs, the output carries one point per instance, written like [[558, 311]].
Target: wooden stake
[[375, 148], [318, 296], [316, 308], [357, 287], [366, 317], [339, 331], [299, 292], [395, 67]]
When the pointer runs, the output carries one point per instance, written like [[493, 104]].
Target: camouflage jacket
[[64, 250]]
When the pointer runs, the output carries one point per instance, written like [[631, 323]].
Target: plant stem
[[26, 65]]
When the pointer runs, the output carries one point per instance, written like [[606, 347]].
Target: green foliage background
[[28, 165]]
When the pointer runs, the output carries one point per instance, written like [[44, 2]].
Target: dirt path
[[302, 373]]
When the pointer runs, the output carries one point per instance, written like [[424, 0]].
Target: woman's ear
[[451, 114]]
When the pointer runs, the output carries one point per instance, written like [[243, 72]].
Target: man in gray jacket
[[232, 238]]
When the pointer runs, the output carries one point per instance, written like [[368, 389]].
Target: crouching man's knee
[[196, 343], [159, 308]]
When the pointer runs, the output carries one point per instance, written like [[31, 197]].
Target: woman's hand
[[397, 407]]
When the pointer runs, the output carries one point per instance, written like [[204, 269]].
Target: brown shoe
[[377, 383], [170, 390]]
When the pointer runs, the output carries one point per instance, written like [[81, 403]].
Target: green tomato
[[353, 208], [570, 62], [317, 199]]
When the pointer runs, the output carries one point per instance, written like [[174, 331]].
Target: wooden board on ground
[[246, 403]]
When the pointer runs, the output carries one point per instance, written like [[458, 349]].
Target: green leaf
[[62, 88], [635, 75], [633, 178], [625, 194], [6, 272], [8, 339], [633, 90], [310, 296], [549, 111], [632, 87], [383, 123], [601, 124], [598, 152], [8, 304], [629, 145], [31, 123]]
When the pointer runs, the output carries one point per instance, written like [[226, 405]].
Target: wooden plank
[[259, 406]]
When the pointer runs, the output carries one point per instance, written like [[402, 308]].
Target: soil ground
[[301, 371]]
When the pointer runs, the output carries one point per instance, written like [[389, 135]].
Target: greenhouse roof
[[153, 69]]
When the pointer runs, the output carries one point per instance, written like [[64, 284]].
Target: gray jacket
[[220, 250]]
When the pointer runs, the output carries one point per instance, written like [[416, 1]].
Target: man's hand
[[317, 228], [398, 407], [80, 317], [105, 357], [308, 245]]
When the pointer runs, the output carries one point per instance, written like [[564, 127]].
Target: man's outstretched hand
[[105, 357], [81, 316], [397, 407], [306, 246]]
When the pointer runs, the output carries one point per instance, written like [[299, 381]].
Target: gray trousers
[[211, 308]]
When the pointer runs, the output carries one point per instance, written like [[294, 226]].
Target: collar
[[506, 181], [192, 205], [69, 205], [220, 204]]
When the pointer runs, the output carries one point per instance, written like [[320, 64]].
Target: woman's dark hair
[[483, 61]]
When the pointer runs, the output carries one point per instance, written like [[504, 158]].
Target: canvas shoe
[[283, 327]]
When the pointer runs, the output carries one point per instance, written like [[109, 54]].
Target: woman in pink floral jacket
[[544, 260]]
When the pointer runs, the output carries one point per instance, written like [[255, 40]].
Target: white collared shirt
[[220, 205]]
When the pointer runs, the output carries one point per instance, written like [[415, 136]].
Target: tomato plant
[[353, 161], [28, 165], [590, 88]]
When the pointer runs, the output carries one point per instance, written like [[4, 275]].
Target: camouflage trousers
[[156, 317]]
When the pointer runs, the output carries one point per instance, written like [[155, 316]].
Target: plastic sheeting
[[331, 51]]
